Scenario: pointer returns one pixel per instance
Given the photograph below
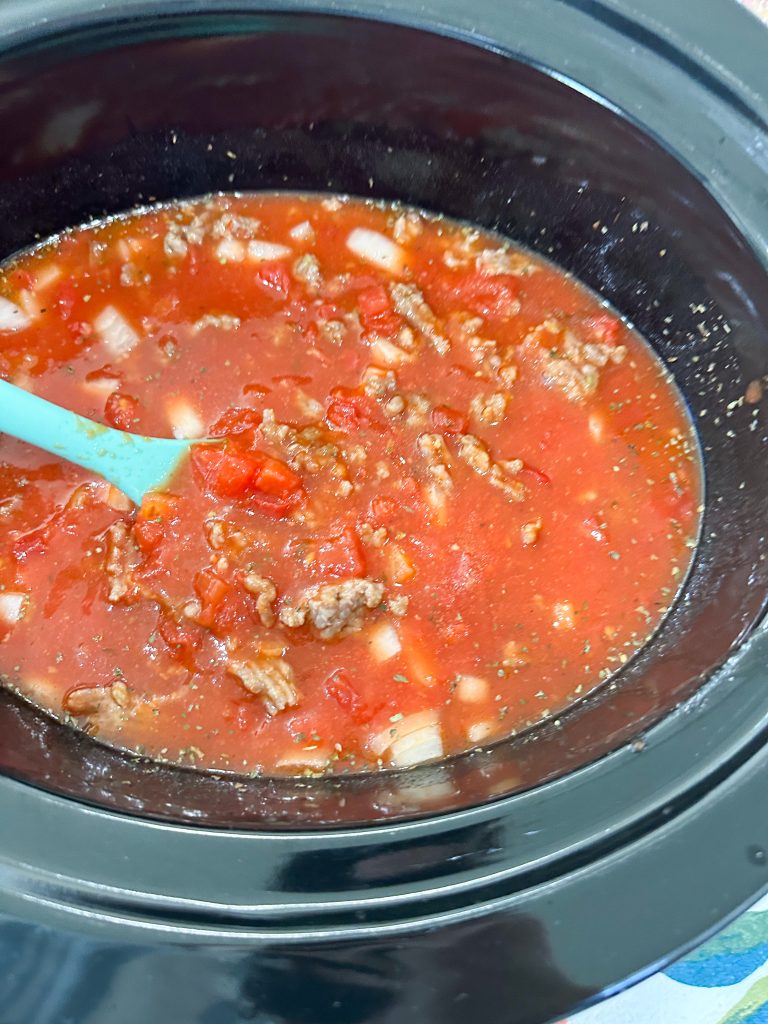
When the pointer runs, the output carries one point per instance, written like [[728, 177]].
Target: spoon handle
[[132, 463], [48, 426]]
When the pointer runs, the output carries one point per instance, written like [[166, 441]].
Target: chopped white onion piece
[[45, 692], [23, 380], [437, 499], [478, 731], [384, 641], [84, 493], [471, 689], [100, 387], [116, 333], [12, 607], [400, 564], [303, 232], [425, 744], [30, 304], [123, 250], [316, 760], [230, 250], [422, 666], [184, 419], [99, 490], [413, 739], [427, 794], [373, 247], [384, 352], [260, 251], [48, 276], [117, 500], [12, 317], [596, 425], [30, 299]]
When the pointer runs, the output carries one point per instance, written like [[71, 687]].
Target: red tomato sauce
[[452, 491]]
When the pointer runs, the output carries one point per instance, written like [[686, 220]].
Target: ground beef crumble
[[335, 609], [270, 678]]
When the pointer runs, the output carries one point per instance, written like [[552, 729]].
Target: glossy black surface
[[527, 898]]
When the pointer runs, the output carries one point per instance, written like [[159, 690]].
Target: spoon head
[[137, 465]]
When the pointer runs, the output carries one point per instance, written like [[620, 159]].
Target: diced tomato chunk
[[80, 328], [400, 565], [182, 639], [148, 534], [65, 298], [34, 542], [448, 421], [275, 477], [229, 472], [376, 312], [382, 509], [211, 589], [311, 336], [274, 279], [234, 473], [348, 410], [410, 487], [422, 665], [339, 686], [121, 410], [490, 295], [225, 472], [606, 328], [158, 511], [342, 555], [328, 311], [239, 420], [334, 557], [23, 279], [276, 505], [159, 505]]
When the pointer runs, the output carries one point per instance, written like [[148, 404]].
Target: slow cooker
[[626, 141]]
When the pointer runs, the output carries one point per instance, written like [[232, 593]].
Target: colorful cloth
[[725, 981]]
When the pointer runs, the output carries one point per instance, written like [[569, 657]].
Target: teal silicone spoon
[[134, 464]]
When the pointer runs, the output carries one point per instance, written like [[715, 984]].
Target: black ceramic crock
[[628, 143]]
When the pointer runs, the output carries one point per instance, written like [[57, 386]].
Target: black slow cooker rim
[[36, 886]]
